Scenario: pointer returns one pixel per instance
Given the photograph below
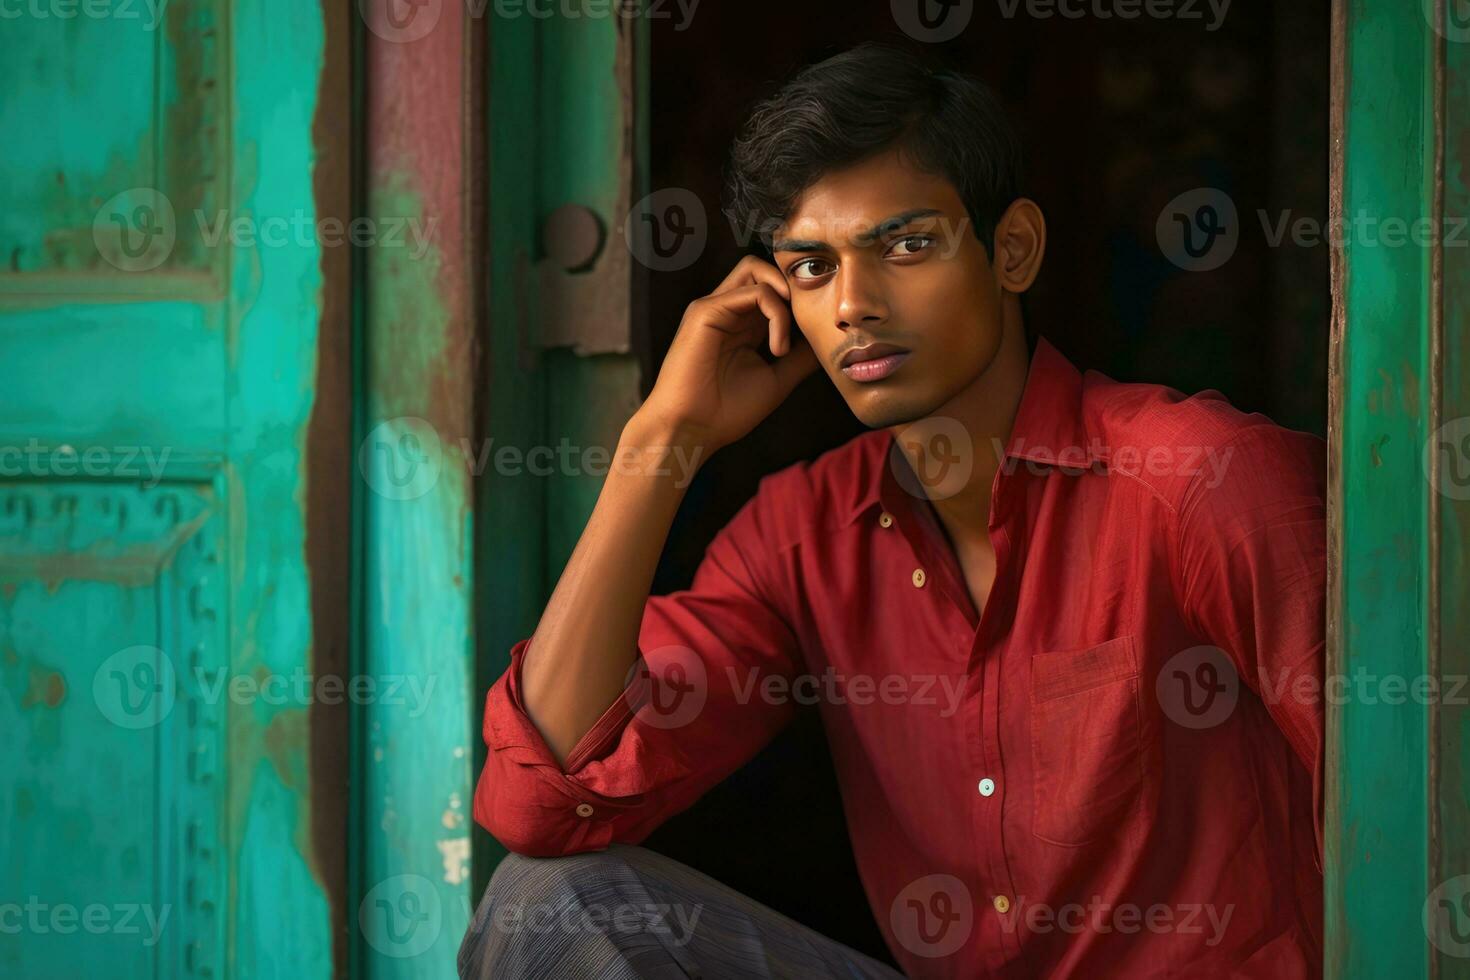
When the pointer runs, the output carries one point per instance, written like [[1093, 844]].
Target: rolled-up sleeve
[[691, 714], [1252, 560]]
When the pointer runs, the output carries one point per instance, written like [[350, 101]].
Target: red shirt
[[1076, 782]]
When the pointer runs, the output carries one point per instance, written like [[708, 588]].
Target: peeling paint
[[456, 852]]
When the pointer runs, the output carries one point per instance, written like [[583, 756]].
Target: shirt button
[[584, 809], [1002, 904], [919, 578], [987, 786], [885, 519]]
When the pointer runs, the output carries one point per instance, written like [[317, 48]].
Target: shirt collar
[[1049, 428]]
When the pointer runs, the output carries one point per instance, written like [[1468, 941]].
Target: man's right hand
[[714, 386]]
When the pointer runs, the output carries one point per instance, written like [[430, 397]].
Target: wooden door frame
[[1396, 795]]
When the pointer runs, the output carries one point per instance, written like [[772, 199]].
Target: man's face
[[883, 254]]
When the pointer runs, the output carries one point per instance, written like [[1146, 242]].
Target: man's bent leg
[[627, 912]]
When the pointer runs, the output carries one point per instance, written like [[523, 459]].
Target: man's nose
[[859, 301]]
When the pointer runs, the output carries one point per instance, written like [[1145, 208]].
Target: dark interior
[[1118, 117]]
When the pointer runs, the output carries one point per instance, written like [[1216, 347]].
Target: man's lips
[[872, 362]]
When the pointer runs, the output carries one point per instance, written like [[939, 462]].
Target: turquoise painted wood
[[1397, 886], [156, 381], [413, 753], [582, 142]]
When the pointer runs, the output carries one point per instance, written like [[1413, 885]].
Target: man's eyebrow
[[868, 234]]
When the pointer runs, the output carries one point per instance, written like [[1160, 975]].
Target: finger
[[734, 308], [795, 366], [779, 314], [751, 271]]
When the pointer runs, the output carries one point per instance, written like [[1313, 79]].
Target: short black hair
[[861, 102]]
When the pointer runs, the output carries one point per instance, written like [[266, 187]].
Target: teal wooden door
[[1398, 794], [162, 290]]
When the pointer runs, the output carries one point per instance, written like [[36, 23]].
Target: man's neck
[[986, 408]]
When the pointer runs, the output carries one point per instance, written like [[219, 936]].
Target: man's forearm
[[587, 639]]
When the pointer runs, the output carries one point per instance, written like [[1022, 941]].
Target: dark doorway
[[1119, 116]]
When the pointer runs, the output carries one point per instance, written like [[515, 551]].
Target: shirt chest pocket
[[1086, 751]]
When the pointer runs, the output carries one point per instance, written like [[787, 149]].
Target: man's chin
[[884, 413]]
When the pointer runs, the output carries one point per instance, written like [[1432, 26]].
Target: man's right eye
[[809, 269]]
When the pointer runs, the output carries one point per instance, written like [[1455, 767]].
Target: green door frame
[[1398, 789], [567, 157]]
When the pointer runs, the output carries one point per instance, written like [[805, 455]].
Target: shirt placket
[[997, 915]]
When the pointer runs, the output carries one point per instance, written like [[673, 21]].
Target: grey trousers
[[627, 912]]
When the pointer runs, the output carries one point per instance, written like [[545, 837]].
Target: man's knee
[[531, 900], [559, 882]]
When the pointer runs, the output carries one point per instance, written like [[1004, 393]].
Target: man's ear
[[1020, 243]]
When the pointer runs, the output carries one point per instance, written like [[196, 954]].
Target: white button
[[885, 519], [584, 809], [987, 786], [918, 578]]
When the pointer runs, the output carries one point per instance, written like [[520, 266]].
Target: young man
[[1061, 628]]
